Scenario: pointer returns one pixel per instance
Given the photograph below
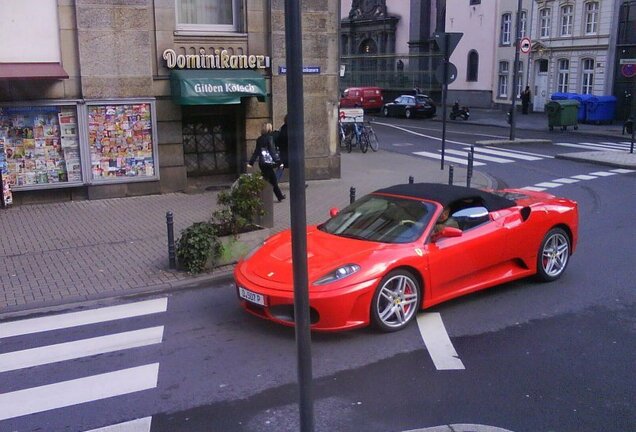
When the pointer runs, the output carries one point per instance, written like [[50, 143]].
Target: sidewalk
[[74, 251]]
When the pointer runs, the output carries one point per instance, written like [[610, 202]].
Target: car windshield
[[382, 219]]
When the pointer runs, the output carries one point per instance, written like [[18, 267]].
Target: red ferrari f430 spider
[[408, 247]]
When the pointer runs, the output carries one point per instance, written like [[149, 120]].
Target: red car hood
[[325, 252]]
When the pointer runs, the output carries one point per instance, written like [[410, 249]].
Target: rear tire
[[407, 113], [396, 301], [385, 112], [553, 255], [364, 143]]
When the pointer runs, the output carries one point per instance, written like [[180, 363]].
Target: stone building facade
[[157, 96]]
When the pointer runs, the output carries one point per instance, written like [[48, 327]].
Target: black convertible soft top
[[448, 194]]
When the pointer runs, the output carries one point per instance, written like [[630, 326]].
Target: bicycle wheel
[[364, 142], [350, 143], [373, 140]]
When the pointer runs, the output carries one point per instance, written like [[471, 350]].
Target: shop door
[[209, 145], [540, 85]]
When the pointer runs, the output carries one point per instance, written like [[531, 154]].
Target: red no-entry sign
[[525, 45]]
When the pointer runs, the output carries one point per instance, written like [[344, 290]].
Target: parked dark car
[[410, 106]]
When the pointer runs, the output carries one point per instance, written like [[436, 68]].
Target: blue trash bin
[[583, 99], [600, 109], [562, 96]]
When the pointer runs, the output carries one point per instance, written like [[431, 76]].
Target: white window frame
[[563, 77], [592, 10], [502, 82], [587, 75], [506, 29], [524, 23], [195, 29], [545, 20], [567, 20]]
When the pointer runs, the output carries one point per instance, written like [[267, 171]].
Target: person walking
[[283, 149], [268, 158], [525, 100]]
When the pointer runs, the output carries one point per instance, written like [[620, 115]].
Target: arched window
[[567, 20], [544, 22], [591, 17], [587, 76], [473, 66]]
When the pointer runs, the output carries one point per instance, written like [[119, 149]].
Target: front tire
[[396, 301], [553, 256], [408, 113], [385, 112]]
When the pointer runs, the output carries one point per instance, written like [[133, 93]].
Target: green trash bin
[[562, 113]]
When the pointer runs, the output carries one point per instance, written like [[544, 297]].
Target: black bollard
[[451, 168], [469, 171], [172, 261], [352, 195], [411, 180]]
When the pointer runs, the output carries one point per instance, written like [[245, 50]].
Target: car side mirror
[[333, 212]]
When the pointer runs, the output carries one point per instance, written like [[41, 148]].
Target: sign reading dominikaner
[[221, 59]]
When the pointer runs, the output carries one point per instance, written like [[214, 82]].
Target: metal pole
[[515, 71], [451, 169], [352, 195], [444, 96], [469, 171], [298, 210], [172, 261]]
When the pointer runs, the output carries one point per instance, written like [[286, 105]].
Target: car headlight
[[338, 274]]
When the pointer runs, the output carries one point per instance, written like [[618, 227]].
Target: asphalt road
[[535, 357]]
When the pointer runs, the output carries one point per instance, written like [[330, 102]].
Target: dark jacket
[[282, 144], [265, 144]]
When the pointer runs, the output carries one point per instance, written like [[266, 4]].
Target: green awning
[[215, 87]]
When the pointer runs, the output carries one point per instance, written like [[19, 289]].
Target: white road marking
[[77, 391], [623, 171], [548, 184], [139, 425], [421, 135], [583, 146], [584, 177], [447, 158], [532, 188], [80, 348], [479, 156], [603, 173], [438, 342], [566, 180], [73, 319], [514, 155]]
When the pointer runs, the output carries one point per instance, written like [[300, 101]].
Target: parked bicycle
[[356, 134], [372, 138]]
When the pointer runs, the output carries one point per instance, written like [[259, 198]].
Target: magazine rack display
[[56, 144], [6, 199], [41, 146], [120, 141]]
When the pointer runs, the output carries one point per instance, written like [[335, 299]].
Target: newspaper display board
[[351, 115]]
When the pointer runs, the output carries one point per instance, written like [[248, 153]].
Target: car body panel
[[417, 105], [367, 98], [502, 247]]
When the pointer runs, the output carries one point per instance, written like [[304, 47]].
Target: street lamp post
[[515, 71]]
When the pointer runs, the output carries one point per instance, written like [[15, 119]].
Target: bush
[[238, 208]]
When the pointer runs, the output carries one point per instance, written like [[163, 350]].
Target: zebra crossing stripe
[[533, 188], [447, 158], [77, 391], [603, 173], [73, 319], [437, 342], [139, 425], [480, 156], [622, 171], [515, 155], [582, 145], [80, 348]]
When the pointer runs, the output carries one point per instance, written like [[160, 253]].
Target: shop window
[[506, 26], [502, 87], [587, 76], [591, 17], [544, 22], [121, 142], [473, 66], [209, 145], [202, 16], [567, 19], [41, 146], [563, 75]]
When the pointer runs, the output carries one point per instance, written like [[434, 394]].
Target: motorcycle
[[461, 112]]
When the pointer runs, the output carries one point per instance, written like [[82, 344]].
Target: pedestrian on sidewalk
[[283, 149], [268, 158], [525, 100]]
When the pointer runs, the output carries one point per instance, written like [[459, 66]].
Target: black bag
[[265, 158]]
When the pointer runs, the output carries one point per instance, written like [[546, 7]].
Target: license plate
[[251, 296]]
